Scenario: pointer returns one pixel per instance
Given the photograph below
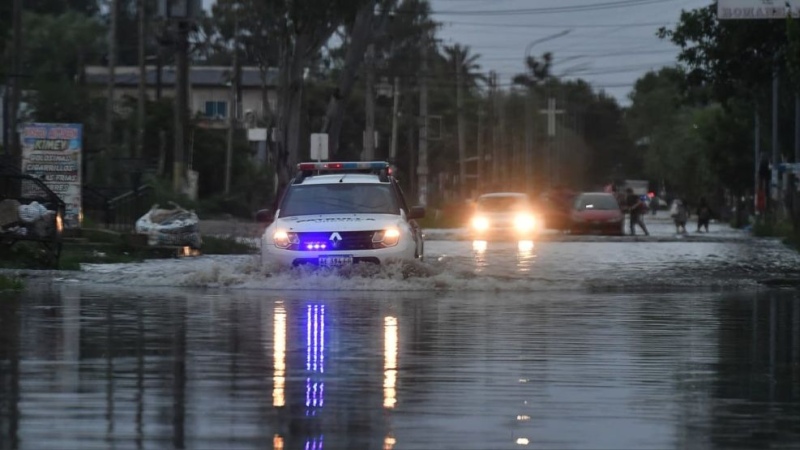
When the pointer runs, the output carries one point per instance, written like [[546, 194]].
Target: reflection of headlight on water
[[479, 246], [389, 361], [279, 357], [525, 246]]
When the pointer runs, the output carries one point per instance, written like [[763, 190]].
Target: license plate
[[335, 260]]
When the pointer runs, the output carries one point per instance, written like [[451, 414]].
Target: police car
[[341, 213]]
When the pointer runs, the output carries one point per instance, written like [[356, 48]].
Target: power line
[[529, 26], [584, 55], [555, 9]]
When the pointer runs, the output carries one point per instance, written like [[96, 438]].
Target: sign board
[[52, 153], [757, 9], [256, 134], [319, 146]]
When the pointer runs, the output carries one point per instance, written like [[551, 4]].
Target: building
[[209, 89]]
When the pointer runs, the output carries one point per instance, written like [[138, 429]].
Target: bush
[[10, 283], [213, 245]]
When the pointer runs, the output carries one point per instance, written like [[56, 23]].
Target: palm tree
[[538, 71], [466, 67]]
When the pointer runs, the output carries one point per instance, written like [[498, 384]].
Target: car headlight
[[386, 238], [524, 222], [283, 239], [480, 223]]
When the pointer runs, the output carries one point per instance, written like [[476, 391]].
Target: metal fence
[[115, 210]]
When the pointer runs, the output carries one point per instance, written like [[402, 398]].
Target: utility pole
[[493, 111], [422, 162], [395, 112], [502, 141], [529, 139], [140, 116], [233, 108], [112, 61], [181, 94], [369, 96], [462, 151], [797, 128], [481, 158], [775, 148], [16, 68]]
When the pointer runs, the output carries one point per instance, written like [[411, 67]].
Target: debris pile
[[177, 226], [33, 220]]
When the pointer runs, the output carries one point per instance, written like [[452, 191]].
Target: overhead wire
[[553, 9]]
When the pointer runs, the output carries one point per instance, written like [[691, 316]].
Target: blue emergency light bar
[[356, 165]]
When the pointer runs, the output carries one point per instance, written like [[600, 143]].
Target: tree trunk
[[291, 108], [360, 38]]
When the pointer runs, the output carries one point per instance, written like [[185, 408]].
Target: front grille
[[350, 240]]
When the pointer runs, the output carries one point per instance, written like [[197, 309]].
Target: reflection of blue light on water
[[315, 358], [314, 443]]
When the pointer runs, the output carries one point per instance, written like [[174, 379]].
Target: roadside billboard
[[757, 9], [52, 153]]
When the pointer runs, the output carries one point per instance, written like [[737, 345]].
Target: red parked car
[[597, 212]]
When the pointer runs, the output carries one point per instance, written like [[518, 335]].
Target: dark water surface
[[88, 367]]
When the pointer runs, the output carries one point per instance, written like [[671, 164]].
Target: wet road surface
[[568, 342]]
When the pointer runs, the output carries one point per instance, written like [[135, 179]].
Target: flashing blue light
[[315, 358]]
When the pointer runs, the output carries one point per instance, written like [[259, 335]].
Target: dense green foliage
[[688, 127]]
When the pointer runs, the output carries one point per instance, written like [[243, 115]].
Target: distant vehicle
[[597, 212], [504, 216], [340, 213]]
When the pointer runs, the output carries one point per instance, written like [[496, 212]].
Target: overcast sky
[[609, 43]]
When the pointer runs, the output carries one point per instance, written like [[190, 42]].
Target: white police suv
[[340, 213]]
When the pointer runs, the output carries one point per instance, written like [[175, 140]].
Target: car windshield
[[596, 202], [501, 204], [339, 198]]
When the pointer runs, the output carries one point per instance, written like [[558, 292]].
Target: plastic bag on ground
[[31, 213], [170, 227]]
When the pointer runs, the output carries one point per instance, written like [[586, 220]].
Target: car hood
[[338, 222]]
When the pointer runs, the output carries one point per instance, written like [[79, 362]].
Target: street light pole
[[233, 108], [531, 99], [16, 68], [395, 108]]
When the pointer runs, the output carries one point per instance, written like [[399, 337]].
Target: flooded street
[[588, 343]]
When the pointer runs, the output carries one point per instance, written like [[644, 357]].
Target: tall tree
[[364, 29], [733, 57]]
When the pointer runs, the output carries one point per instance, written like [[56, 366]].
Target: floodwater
[[595, 344]]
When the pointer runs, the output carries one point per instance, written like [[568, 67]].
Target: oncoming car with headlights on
[[340, 213], [504, 216]]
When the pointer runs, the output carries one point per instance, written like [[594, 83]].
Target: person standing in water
[[703, 214], [636, 209]]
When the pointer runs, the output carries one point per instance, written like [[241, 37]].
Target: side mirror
[[417, 212], [264, 216]]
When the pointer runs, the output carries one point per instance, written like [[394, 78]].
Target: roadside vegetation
[[107, 247], [785, 230], [10, 283]]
